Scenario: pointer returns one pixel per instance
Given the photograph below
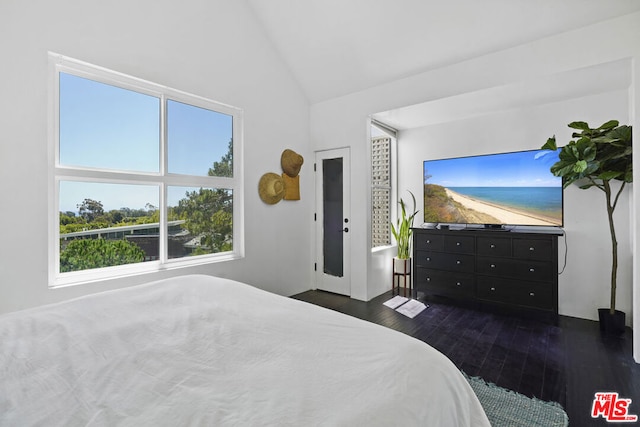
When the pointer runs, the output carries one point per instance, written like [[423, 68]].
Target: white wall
[[584, 285], [213, 49], [597, 44]]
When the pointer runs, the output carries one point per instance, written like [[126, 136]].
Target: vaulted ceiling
[[337, 47]]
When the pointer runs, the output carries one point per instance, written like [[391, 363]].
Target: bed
[[198, 350]]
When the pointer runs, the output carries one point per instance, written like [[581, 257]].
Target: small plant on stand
[[402, 232]]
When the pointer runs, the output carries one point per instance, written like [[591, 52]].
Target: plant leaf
[[622, 133], [580, 166], [609, 175], [609, 125], [550, 144], [585, 186], [579, 125]]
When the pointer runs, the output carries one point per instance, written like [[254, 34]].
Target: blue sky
[[521, 169], [103, 126]]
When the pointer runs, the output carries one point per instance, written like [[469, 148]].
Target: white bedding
[[198, 350]]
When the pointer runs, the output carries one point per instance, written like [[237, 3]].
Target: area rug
[[510, 409]]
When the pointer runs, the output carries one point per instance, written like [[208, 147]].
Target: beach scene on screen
[[509, 189]]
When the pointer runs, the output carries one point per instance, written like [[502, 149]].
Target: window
[[143, 178], [382, 146]]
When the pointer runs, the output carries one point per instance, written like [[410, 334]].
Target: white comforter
[[198, 350]]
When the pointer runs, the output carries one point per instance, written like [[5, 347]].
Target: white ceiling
[[337, 47], [601, 78]]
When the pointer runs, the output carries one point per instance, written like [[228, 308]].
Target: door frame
[[323, 281]]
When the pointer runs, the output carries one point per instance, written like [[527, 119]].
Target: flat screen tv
[[495, 190]]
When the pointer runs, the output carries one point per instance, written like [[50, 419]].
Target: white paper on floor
[[396, 301], [411, 308]]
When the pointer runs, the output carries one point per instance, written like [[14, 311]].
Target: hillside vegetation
[[440, 208]]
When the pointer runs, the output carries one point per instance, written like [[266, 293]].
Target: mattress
[[203, 351]]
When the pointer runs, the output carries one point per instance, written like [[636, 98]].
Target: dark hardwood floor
[[565, 360]]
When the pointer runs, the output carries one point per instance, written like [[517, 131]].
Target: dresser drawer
[[515, 292], [459, 244], [445, 283], [494, 246], [445, 261], [428, 242], [536, 249], [513, 268]]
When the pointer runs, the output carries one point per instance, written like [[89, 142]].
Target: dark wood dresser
[[506, 268]]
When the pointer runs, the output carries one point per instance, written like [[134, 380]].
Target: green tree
[[90, 209], [208, 213], [225, 166], [85, 254], [114, 216], [70, 218]]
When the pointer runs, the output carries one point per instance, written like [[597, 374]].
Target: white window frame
[[162, 179]]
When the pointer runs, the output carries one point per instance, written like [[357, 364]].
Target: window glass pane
[[107, 127], [200, 141], [102, 225], [333, 235], [202, 221]]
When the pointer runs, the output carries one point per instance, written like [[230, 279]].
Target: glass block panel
[[381, 191], [380, 218], [381, 161]]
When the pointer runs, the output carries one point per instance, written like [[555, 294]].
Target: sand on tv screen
[[497, 189]]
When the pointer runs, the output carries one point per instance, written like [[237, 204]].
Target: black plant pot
[[611, 324]]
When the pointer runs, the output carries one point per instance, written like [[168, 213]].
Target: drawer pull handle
[[492, 246], [532, 294], [532, 270], [493, 266], [532, 249], [458, 262], [458, 283], [428, 259], [457, 243], [428, 279], [428, 241], [493, 289]]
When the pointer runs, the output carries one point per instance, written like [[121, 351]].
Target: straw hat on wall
[[271, 188], [291, 162]]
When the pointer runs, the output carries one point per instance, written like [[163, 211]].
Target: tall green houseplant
[[595, 159], [402, 230]]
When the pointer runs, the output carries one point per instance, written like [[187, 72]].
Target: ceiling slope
[[337, 47]]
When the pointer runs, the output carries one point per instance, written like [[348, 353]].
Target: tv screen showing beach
[[499, 189]]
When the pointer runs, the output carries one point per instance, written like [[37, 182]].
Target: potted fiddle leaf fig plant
[[402, 232], [595, 158]]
